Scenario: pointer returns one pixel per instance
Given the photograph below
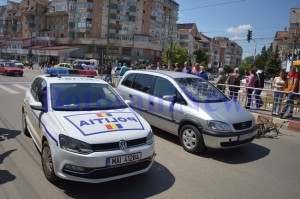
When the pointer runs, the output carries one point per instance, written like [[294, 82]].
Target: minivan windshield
[[84, 97], [200, 90]]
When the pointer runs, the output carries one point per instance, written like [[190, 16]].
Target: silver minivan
[[189, 107]]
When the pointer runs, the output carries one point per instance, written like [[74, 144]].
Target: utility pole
[[295, 37], [107, 36]]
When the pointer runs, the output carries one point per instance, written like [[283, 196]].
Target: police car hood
[[96, 127], [229, 112]]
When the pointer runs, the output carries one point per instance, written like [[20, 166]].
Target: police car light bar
[[66, 71]]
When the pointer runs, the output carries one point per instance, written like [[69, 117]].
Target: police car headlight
[[149, 138], [73, 145], [218, 126]]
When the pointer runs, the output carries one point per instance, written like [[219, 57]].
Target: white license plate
[[124, 159], [245, 136]]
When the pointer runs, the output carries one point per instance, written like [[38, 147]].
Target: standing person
[[30, 65], [196, 69], [235, 80], [259, 84], [250, 83], [221, 79], [186, 68], [159, 66], [279, 83], [42, 65], [292, 89], [176, 67], [107, 72], [202, 73], [124, 69]]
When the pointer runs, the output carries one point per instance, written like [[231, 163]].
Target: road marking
[[21, 87], [8, 90]]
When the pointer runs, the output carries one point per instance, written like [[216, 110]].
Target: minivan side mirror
[[169, 98]]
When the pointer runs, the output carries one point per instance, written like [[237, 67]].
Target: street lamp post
[[295, 37]]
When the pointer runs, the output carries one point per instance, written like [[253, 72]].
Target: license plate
[[124, 159], [245, 136]]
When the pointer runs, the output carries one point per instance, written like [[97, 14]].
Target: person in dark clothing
[[202, 73], [261, 81], [31, 65], [107, 73], [235, 80]]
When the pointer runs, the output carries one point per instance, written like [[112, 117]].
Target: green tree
[[261, 59], [228, 69], [246, 66], [273, 65], [201, 57], [175, 54]]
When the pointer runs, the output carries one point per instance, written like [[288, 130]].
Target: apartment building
[[288, 41], [132, 31], [230, 52], [220, 50]]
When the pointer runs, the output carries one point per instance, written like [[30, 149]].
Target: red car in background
[[9, 68]]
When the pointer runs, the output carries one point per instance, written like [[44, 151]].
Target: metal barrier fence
[[268, 99]]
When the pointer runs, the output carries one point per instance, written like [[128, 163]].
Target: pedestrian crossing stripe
[[8, 90], [21, 87]]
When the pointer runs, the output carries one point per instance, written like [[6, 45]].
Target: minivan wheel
[[191, 139], [47, 163]]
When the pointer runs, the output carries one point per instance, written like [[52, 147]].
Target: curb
[[291, 125]]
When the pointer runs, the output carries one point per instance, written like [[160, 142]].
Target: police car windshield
[[200, 90], [84, 97]]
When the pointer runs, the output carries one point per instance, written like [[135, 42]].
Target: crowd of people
[[254, 84]]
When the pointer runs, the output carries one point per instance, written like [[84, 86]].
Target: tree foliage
[[261, 59], [246, 66], [201, 57], [175, 54], [273, 65]]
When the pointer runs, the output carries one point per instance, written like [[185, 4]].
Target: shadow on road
[[248, 153], [6, 176], [156, 181], [8, 134]]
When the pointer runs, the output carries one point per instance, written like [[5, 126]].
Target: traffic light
[[249, 35]]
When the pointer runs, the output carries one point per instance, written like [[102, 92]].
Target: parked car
[[84, 130], [63, 65], [9, 68], [17, 63], [189, 107]]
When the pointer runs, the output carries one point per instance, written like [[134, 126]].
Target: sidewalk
[[292, 125]]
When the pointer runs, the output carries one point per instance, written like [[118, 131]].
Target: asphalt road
[[266, 168]]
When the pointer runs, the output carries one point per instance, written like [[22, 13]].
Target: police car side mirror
[[37, 106], [128, 102]]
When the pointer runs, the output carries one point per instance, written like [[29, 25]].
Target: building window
[[126, 51]]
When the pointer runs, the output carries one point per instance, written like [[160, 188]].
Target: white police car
[[85, 130]]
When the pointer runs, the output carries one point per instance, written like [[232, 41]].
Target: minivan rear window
[[200, 90]]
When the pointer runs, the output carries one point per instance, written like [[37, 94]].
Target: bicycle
[[266, 126]]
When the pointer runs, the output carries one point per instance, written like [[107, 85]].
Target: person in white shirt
[[279, 83]]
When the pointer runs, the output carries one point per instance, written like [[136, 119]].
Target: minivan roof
[[171, 74]]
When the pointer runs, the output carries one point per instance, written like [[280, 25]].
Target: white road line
[[21, 87], [8, 89]]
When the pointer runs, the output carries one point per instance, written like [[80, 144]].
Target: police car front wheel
[[47, 163], [24, 125]]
